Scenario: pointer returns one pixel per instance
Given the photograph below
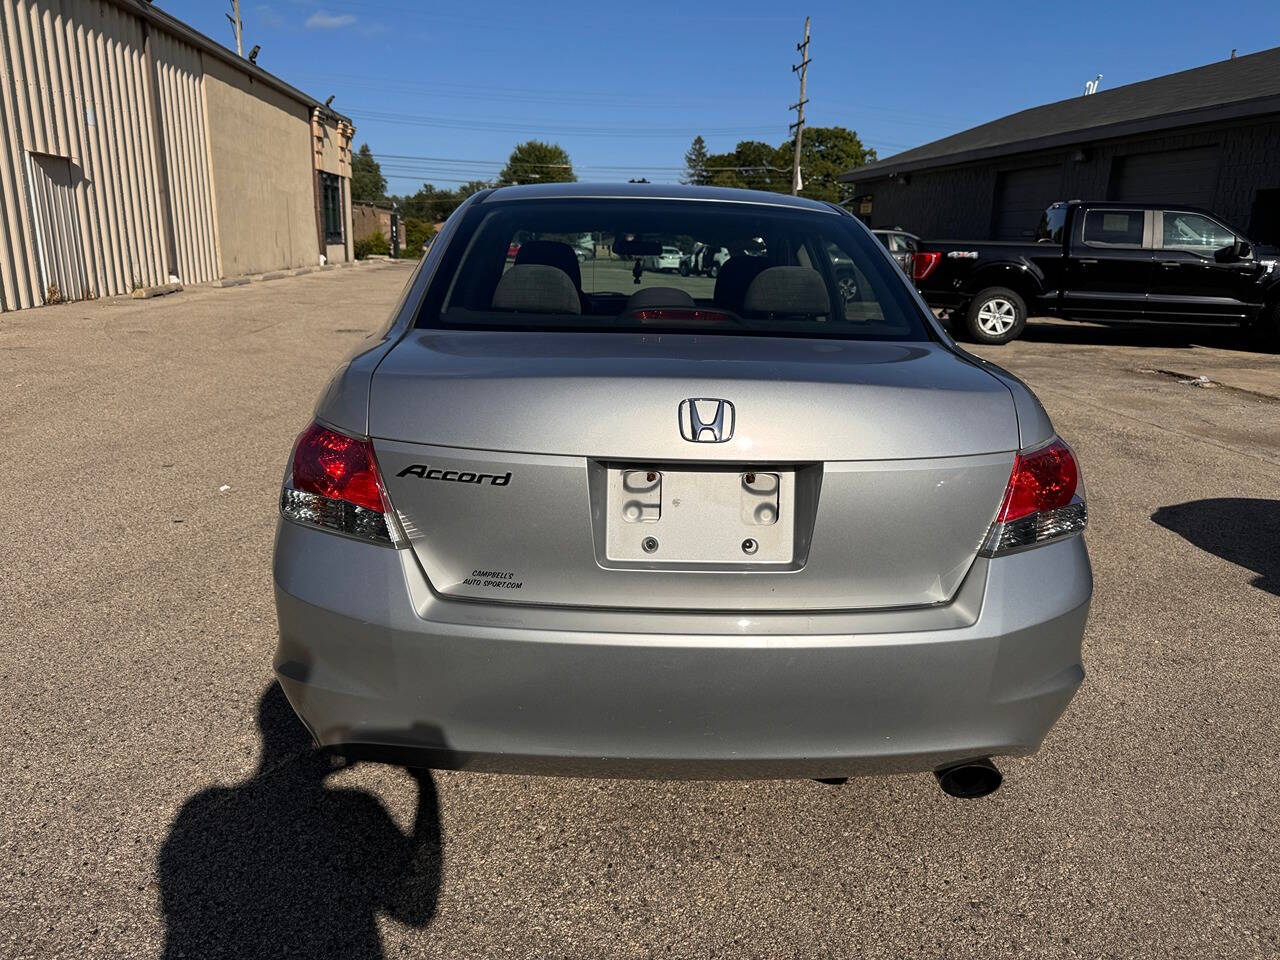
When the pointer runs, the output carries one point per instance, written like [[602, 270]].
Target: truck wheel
[[996, 315]]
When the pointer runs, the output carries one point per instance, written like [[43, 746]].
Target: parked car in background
[[737, 528], [668, 261], [901, 244], [705, 260], [1106, 262]]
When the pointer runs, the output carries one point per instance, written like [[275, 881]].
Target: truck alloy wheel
[[996, 315]]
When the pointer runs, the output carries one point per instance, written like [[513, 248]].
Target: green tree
[[416, 234], [825, 153], [537, 162], [368, 185], [695, 162]]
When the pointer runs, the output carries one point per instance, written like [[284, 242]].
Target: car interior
[[518, 271]]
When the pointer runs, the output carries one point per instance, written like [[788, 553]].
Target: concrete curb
[[276, 275], [164, 289]]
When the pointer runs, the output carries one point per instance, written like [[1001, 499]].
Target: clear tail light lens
[[1044, 501], [333, 482], [923, 264]]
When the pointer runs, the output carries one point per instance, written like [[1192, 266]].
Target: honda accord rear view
[[570, 516]]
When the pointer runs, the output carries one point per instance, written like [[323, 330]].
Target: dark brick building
[[1208, 137]]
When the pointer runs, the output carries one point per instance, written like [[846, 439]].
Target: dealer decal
[[494, 579], [425, 471]]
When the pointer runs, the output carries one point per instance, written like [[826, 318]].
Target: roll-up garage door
[[1021, 196], [1171, 176]]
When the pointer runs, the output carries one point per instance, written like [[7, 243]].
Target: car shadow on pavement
[[1137, 335], [1242, 530], [283, 864]]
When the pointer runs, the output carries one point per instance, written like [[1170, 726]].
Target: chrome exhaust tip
[[970, 780]]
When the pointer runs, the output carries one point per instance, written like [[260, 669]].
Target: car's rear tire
[[996, 315]]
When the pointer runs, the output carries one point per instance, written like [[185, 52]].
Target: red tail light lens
[[338, 467], [1045, 479], [923, 264], [334, 482], [1043, 501]]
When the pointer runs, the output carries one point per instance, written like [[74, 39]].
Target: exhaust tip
[[970, 780]]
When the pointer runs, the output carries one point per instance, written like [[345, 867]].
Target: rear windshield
[[669, 265]]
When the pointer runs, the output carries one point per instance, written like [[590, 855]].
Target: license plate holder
[[735, 516]]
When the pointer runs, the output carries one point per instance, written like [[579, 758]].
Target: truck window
[[1193, 231], [1051, 224], [1114, 228]]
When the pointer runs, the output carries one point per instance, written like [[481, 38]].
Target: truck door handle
[[1083, 261], [1170, 263]]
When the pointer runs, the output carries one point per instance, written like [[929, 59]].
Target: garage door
[[1021, 196], [1172, 176]]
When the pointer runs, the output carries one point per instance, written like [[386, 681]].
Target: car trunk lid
[[539, 467]]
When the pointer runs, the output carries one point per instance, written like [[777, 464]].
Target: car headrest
[[536, 288], [552, 253], [788, 291], [658, 297], [734, 277]]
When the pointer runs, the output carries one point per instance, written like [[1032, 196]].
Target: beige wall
[[75, 83], [259, 146], [368, 219], [152, 155]]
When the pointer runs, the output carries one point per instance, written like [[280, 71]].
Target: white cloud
[[324, 20]]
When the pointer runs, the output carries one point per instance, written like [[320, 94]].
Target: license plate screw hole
[[651, 476], [750, 478], [649, 544], [749, 546]]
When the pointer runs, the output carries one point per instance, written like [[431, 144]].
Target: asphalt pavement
[[157, 795]]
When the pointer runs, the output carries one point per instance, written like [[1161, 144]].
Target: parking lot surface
[[157, 795]]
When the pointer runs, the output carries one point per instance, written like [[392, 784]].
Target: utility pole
[[802, 68], [237, 25]]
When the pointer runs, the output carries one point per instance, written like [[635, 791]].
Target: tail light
[[333, 482], [923, 264], [1044, 501]]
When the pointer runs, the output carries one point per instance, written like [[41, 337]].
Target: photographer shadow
[[282, 863]]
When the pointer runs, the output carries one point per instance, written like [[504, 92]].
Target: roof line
[[1195, 116], [193, 37]]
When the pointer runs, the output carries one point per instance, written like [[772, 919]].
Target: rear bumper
[[377, 665]]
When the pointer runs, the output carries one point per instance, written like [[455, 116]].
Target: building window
[[332, 185]]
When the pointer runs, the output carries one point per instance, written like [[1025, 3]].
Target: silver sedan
[[574, 518]]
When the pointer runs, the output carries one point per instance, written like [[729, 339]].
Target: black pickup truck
[[1106, 262]]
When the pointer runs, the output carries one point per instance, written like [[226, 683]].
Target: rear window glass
[[700, 266], [1114, 227]]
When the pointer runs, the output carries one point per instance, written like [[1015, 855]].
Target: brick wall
[[959, 202]]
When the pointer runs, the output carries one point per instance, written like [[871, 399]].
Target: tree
[[368, 185], [695, 162], [825, 153], [537, 162]]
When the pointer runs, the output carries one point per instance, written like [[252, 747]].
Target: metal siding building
[[1207, 137], [114, 175]]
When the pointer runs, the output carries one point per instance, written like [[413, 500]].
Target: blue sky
[[624, 87]]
